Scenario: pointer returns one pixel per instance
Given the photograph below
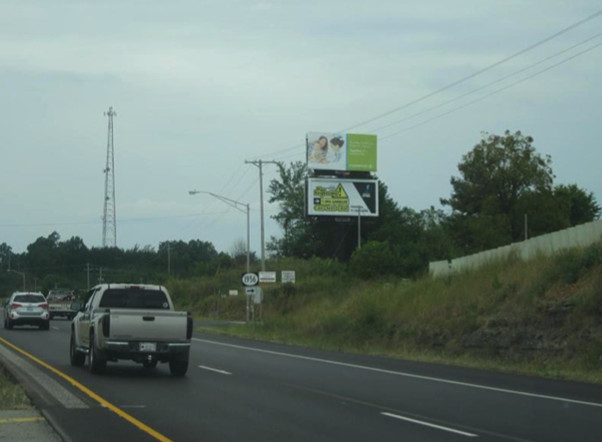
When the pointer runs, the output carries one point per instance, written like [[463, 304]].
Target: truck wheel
[[77, 358], [97, 365], [178, 368], [9, 324], [150, 364], [51, 316]]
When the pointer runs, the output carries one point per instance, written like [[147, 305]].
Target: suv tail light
[[43, 305], [16, 305]]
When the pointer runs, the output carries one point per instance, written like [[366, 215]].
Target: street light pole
[[237, 205]]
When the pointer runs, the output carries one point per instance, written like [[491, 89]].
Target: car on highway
[[59, 303], [130, 322], [26, 308]]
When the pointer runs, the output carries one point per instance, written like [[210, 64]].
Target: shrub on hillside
[[375, 259]]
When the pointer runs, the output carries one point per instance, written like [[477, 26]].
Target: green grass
[[542, 317], [12, 396]]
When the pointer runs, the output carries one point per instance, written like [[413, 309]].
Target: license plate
[[29, 309], [148, 346]]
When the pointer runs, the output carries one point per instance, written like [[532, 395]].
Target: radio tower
[[109, 225]]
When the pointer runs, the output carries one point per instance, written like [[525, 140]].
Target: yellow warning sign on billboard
[[331, 199], [341, 197]]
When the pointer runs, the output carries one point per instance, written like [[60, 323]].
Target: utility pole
[[100, 281], [87, 269], [109, 223], [259, 164]]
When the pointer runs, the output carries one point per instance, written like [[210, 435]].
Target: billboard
[[339, 197], [345, 152]]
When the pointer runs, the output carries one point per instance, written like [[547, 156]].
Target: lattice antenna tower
[[109, 224]]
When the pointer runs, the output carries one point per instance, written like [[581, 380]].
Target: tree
[[375, 259], [289, 192], [5, 252], [582, 206], [496, 178], [238, 252]]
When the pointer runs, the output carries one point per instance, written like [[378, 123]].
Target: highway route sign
[[250, 279]]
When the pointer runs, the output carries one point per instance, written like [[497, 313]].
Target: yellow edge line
[[93, 395], [21, 420]]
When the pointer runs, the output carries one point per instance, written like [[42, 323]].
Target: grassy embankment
[[541, 317], [12, 396]]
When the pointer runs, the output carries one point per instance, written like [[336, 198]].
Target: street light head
[[193, 192]]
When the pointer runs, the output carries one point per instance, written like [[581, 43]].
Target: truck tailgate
[[148, 325]]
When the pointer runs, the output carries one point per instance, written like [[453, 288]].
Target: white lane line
[[408, 375], [427, 424], [55, 328], [214, 369]]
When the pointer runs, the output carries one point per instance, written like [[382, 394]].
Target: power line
[[485, 86], [451, 85], [492, 93], [121, 220], [479, 72]]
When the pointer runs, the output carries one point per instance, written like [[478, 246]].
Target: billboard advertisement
[[339, 197], [344, 152]]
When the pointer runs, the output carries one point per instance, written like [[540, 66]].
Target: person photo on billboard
[[319, 151], [337, 145]]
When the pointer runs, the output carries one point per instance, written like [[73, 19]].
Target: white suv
[[26, 308]]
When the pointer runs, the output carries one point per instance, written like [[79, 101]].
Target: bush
[[373, 260]]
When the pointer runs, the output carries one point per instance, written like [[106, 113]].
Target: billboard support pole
[[359, 226]]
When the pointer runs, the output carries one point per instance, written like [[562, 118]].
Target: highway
[[241, 390]]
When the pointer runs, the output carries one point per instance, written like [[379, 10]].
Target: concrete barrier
[[578, 236]]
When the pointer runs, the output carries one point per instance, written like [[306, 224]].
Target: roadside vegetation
[[12, 396], [541, 317]]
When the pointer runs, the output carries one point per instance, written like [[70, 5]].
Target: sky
[[201, 86]]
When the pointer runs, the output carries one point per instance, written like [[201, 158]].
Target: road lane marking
[[20, 420], [103, 402], [427, 424], [381, 407], [214, 369], [56, 328], [400, 373]]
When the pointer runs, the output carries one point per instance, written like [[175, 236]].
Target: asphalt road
[[240, 390]]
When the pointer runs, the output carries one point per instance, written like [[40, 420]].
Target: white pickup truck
[[130, 321]]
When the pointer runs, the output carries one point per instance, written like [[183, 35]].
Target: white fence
[[582, 235]]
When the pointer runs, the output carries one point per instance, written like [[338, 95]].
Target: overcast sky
[[201, 86]]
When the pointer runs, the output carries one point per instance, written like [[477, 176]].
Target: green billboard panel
[[361, 153]]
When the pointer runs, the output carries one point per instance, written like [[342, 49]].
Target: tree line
[[50, 262], [505, 191], [499, 182]]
